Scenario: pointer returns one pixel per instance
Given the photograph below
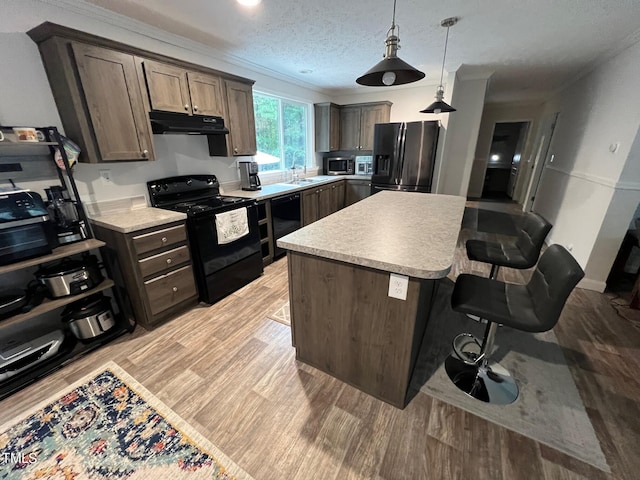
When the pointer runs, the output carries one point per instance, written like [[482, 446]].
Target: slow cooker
[[90, 317], [70, 277]]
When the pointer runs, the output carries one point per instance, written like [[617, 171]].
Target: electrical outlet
[[398, 286], [105, 175]]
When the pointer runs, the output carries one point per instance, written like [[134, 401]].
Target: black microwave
[[339, 165]]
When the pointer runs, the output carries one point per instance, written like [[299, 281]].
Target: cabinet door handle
[[145, 153], [195, 108], [168, 261], [164, 239], [235, 150], [175, 289], [186, 106]]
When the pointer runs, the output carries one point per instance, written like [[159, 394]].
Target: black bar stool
[[534, 307], [522, 254]]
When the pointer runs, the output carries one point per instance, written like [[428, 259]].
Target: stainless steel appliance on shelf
[[90, 317], [25, 227], [70, 277], [249, 179], [63, 212], [18, 355], [364, 165], [404, 155], [285, 218], [339, 165], [222, 264]]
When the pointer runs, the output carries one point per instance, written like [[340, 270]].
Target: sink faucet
[[294, 175]]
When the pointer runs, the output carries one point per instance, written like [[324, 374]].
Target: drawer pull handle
[[168, 261], [164, 239], [175, 289]]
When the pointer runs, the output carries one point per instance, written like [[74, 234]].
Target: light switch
[[398, 286]]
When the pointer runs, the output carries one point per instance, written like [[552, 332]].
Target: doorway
[[503, 163]]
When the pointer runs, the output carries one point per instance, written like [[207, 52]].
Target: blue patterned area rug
[[107, 425]]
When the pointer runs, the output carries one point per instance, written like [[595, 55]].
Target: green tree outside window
[[281, 132]]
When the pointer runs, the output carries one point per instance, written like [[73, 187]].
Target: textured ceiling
[[532, 46]]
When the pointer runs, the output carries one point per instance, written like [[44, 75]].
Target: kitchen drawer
[[163, 261], [168, 290], [159, 239]]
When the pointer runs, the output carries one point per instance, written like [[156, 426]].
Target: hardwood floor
[[231, 373]]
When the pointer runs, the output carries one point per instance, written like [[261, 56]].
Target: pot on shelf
[[90, 317], [70, 277]]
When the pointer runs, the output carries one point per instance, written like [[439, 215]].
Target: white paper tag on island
[[398, 286]]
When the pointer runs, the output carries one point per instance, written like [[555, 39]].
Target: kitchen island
[[343, 270]]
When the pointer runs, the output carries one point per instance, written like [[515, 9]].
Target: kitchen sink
[[303, 181]]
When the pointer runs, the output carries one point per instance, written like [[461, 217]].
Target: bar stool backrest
[[555, 276], [531, 236]]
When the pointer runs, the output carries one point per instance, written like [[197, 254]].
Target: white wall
[[26, 99], [590, 193], [462, 126], [499, 113]]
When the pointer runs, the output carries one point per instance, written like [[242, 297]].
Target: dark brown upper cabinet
[[327, 125], [104, 91], [174, 89], [111, 93], [242, 124], [357, 122]]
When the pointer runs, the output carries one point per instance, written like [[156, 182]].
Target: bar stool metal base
[[491, 383]]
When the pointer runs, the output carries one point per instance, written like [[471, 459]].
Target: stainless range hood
[[179, 123]]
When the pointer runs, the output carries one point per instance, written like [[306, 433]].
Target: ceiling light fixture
[[391, 70], [439, 106], [249, 3]]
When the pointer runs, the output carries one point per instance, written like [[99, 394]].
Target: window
[[281, 132]]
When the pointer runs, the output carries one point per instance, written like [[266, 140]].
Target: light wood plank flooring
[[231, 373]]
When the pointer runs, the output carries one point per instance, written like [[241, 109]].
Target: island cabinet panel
[[114, 104], [345, 324], [242, 124]]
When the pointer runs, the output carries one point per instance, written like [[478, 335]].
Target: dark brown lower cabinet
[[157, 270], [356, 190], [321, 201]]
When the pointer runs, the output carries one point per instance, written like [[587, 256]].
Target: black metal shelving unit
[[71, 348]]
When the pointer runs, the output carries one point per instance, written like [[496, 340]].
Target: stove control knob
[[165, 186], [209, 181], [155, 188], [189, 181]]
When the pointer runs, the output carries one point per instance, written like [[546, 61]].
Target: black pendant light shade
[[391, 70], [440, 106], [404, 73]]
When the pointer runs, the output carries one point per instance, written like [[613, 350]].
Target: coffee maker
[[249, 179], [63, 211]]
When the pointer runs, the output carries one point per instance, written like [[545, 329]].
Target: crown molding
[[145, 30]]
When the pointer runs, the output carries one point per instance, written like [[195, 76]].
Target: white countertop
[[275, 189], [412, 234], [137, 219]]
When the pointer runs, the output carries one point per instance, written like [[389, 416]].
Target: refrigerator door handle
[[397, 152], [402, 144]]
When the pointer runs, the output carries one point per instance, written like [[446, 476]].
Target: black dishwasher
[[285, 218]]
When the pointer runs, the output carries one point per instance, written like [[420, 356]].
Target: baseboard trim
[[590, 284]]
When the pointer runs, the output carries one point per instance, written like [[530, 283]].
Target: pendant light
[[439, 106], [391, 70]]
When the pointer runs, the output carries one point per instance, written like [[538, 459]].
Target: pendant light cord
[[444, 56]]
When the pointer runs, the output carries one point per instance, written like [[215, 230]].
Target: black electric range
[[221, 266]]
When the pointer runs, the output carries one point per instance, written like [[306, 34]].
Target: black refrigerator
[[404, 155]]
